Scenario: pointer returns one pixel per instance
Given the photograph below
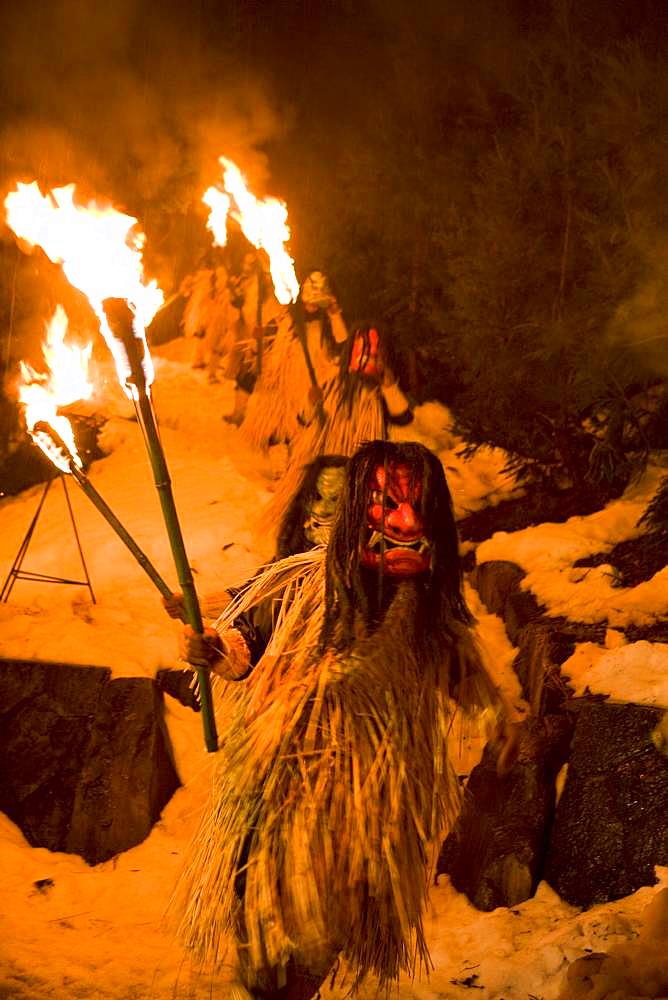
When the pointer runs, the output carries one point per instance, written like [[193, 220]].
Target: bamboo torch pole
[[120, 320], [42, 427]]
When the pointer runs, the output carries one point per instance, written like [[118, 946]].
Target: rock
[[543, 642], [495, 852], [610, 825], [85, 765], [609, 829], [498, 583], [543, 645]]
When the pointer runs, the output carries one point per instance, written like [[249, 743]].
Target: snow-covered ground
[[101, 932]]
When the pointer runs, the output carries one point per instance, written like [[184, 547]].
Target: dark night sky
[[136, 100], [337, 106], [196, 74]]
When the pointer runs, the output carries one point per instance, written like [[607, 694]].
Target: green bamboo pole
[[120, 323], [107, 513]]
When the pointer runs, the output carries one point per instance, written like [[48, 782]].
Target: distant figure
[[306, 523], [304, 357], [259, 316], [209, 317], [233, 319], [359, 401]]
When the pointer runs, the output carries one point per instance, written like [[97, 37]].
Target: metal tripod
[[16, 573]]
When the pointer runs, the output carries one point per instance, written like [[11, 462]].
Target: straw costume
[[209, 317], [260, 317], [361, 401], [333, 786], [304, 352]]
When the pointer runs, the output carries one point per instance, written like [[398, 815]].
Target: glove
[[175, 607], [201, 650], [209, 651]]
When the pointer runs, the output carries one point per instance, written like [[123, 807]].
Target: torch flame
[[65, 383], [99, 253], [263, 223]]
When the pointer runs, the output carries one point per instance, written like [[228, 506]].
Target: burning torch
[[264, 223], [131, 348], [41, 395], [101, 255]]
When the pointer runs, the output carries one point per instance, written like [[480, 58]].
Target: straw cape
[[209, 314], [277, 406], [279, 394], [333, 790]]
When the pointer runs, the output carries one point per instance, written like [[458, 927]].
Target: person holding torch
[[333, 791]]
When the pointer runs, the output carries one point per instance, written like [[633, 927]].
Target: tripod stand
[[17, 573]]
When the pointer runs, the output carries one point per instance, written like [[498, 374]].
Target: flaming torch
[[264, 223], [101, 254], [42, 395]]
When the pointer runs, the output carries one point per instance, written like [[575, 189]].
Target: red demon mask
[[397, 537], [365, 356]]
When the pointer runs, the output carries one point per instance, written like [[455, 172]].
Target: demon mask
[[397, 539], [395, 523], [320, 507], [365, 356], [308, 518]]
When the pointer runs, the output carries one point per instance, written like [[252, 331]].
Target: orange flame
[[263, 223], [65, 383], [99, 253]]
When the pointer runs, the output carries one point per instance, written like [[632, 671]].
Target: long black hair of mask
[[291, 537], [350, 382], [351, 602]]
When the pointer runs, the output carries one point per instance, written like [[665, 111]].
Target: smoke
[[133, 101]]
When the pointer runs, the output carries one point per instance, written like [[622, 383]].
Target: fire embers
[[397, 543]]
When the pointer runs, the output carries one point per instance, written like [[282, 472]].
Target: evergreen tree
[[550, 271]]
